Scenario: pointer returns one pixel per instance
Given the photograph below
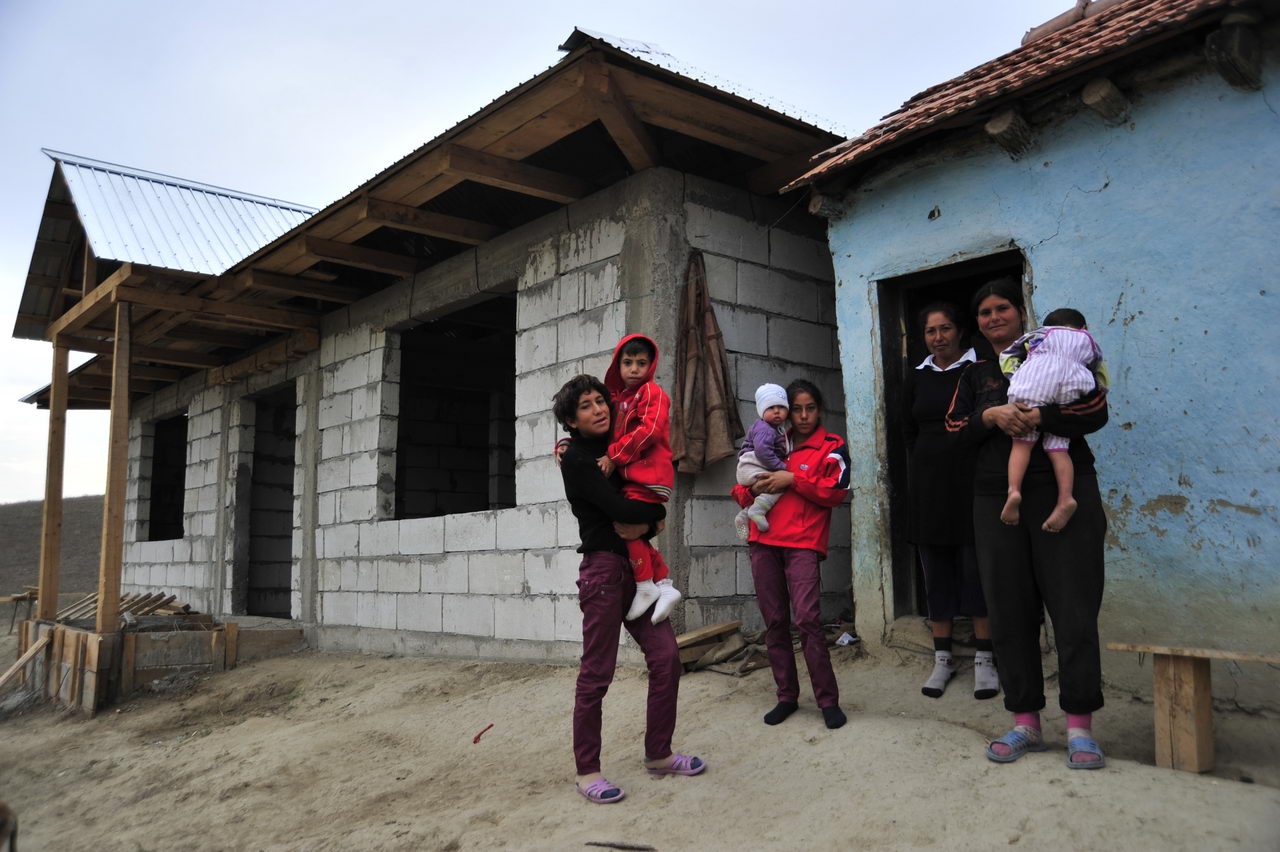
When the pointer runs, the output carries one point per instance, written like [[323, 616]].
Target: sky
[[305, 101]]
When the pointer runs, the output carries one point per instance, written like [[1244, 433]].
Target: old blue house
[[1124, 161]]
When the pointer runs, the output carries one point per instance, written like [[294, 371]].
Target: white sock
[[646, 595], [986, 681], [668, 597], [944, 668]]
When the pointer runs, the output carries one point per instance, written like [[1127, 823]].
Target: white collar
[[968, 357]]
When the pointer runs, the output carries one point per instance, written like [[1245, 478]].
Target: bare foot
[[1059, 516], [1010, 514]]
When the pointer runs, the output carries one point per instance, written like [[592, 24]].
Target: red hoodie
[[642, 424]]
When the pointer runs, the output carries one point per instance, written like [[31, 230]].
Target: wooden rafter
[[305, 251], [154, 354], [490, 169], [626, 129], [402, 217], [96, 302], [292, 285], [251, 314]]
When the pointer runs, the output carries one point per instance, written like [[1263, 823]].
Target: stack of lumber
[[153, 604]]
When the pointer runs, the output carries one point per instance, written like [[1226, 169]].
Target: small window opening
[[168, 479]]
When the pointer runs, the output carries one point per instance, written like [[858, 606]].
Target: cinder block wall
[[502, 583]]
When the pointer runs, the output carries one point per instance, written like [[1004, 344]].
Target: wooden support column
[[111, 557], [1183, 696], [51, 523]]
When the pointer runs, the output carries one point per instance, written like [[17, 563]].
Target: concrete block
[[327, 508], [600, 285], [536, 434], [496, 573], [809, 257], [470, 615], [421, 535], [709, 522], [541, 262], [445, 574], [333, 474], [444, 287], [837, 574], [568, 615], [777, 293], [396, 575], [552, 572], [472, 531], [805, 342], [335, 410], [338, 608], [347, 344], [568, 293], [536, 348], [376, 609], [331, 440], [352, 373], [591, 332], [535, 389], [330, 575], [357, 504], [537, 305], [717, 480], [722, 278], [524, 618], [386, 307], [538, 481], [360, 436], [526, 527], [364, 469], [744, 330], [725, 234], [568, 533], [420, 612], [590, 243], [712, 572], [366, 401], [342, 540], [381, 538]]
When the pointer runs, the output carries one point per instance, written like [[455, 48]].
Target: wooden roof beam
[[252, 314], [624, 126], [290, 285], [518, 177], [102, 367], [215, 336], [291, 348], [96, 302], [402, 217], [158, 355], [304, 251]]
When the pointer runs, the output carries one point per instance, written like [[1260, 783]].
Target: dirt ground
[[326, 752]]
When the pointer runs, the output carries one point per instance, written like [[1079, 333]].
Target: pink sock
[[1084, 721], [1027, 720]]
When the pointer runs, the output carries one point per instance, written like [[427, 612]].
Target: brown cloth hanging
[[704, 413]]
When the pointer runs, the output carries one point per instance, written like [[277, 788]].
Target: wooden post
[[1183, 713], [51, 524], [1011, 132], [111, 556]]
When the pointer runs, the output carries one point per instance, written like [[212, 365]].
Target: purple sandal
[[601, 792], [681, 764]]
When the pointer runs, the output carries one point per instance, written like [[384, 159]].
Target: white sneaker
[[986, 680], [668, 597], [944, 668], [646, 596]]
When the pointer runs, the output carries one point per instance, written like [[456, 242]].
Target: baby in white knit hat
[[764, 449]]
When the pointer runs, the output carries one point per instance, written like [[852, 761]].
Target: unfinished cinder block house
[[347, 424]]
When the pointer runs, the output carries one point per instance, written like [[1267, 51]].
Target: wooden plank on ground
[[711, 631], [232, 630], [218, 650], [1203, 653], [128, 655], [38, 646]]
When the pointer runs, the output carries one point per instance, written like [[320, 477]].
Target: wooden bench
[[1182, 690]]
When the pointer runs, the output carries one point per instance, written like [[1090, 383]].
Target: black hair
[[947, 309], [1004, 288], [638, 346], [799, 386], [564, 405], [1069, 317]]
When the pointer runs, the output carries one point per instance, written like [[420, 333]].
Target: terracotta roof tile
[[1020, 71]]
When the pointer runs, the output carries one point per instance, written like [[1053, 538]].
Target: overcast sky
[[306, 101]]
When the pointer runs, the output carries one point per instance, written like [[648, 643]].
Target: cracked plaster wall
[[1163, 231]]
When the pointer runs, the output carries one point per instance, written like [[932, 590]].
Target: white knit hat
[[769, 395]]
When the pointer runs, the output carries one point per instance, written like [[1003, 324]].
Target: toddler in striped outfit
[[1056, 364]]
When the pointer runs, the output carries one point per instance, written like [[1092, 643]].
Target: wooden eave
[[264, 309]]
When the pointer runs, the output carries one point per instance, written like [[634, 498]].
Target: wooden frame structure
[[599, 114]]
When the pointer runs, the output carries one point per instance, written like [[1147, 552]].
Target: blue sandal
[[1018, 743], [1084, 745]]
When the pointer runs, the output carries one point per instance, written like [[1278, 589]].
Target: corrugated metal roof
[[1047, 59], [142, 217], [654, 55]]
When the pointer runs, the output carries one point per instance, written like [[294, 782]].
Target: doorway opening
[[269, 580], [901, 298]]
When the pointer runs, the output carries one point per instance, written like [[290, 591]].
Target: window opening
[[167, 486]]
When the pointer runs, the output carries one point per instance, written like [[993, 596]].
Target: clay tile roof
[[1037, 65]]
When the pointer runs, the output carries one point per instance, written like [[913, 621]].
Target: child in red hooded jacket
[[641, 450]]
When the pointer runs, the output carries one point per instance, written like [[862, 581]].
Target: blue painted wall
[[1165, 232]]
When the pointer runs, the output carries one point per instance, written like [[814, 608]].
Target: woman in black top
[[1026, 569], [941, 491], [605, 589]]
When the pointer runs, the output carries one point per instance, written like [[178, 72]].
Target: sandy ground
[[322, 751]]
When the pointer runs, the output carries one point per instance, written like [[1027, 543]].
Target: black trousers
[[1024, 569]]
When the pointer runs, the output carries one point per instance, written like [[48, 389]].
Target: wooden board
[[711, 631], [1183, 713], [1202, 653], [36, 648]]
